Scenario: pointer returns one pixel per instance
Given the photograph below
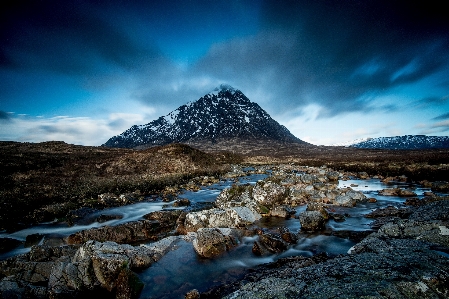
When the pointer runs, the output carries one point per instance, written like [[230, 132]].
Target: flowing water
[[181, 270]]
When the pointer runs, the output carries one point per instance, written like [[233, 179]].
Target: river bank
[[262, 221]]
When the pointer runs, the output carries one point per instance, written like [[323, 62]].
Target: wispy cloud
[[76, 130]]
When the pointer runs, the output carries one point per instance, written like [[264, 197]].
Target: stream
[[181, 270]]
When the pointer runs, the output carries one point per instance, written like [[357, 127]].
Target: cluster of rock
[[406, 258], [101, 261]]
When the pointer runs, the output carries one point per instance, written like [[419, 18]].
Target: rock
[[388, 192], [108, 199], [183, 202], [315, 206], [166, 217], [397, 192], [389, 211], [311, 220], [33, 239], [259, 250], [287, 235], [231, 218], [372, 200], [212, 242], [10, 289], [363, 175], [193, 294], [344, 201], [438, 210], [104, 218], [273, 242], [130, 232], [440, 186], [337, 217], [402, 269], [128, 284], [269, 193], [107, 267], [333, 176], [282, 211]]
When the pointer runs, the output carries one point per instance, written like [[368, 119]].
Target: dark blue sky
[[331, 71]]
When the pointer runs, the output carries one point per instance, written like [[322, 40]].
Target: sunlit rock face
[[224, 113]]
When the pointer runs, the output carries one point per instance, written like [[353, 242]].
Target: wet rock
[[316, 206], [33, 239], [230, 218], [80, 215], [337, 217], [272, 242], [7, 244], [10, 289], [372, 200], [345, 201], [269, 193], [282, 211], [406, 269], [311, 220], [397, 192], [108, 199], [333, 176], [363, 175], [389, 211], [164, 216], [193, 294], [128, 284], [437, 210], [287, 235], [440, 186], [183, 202], [107, 267], [212, 242], [259, 250], [104, 218], [130, 232]]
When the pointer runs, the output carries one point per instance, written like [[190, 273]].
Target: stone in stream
[[212, 242], [311, 220], [226, 218]]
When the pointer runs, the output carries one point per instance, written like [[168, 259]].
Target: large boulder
[[230, 218], [311, 220], [269, 193], [212, 242], [126, 233]]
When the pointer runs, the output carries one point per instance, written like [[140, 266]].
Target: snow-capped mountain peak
[[224, 113]]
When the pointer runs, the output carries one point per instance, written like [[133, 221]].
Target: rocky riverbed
[[402, 253]]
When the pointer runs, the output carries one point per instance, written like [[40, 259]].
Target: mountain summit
[[225, 113]]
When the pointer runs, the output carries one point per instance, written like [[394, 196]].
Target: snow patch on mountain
[[224, 113], [405, 142]]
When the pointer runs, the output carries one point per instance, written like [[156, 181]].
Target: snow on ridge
[[352, 142]]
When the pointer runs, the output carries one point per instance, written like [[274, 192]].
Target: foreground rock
[[157, 225], [95, 268], [226, 218], [406, 258], [212, 242]]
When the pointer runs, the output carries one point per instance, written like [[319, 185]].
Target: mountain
[[349, 143], [405, 142], [223, 114]]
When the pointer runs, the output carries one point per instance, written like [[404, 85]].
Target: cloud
[[441, 117], [338, 56], [76, 130], [5, 116]]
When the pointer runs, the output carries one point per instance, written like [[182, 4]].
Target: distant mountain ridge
[[405, 142], [224, 113]]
